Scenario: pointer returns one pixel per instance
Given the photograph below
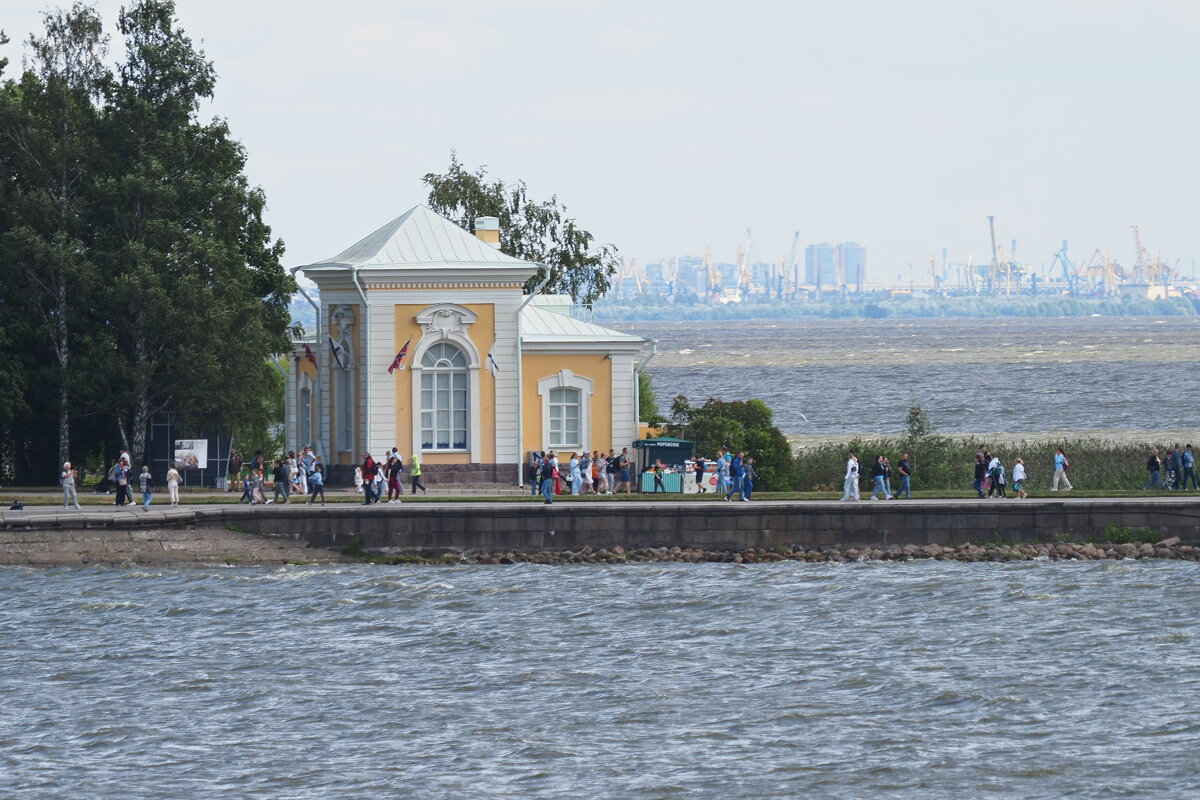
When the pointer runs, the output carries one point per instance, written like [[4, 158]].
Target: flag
[[308, 353], [492, 366], [333, 348], [398, 361]]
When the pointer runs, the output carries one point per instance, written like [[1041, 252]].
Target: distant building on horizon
[[832, 265]]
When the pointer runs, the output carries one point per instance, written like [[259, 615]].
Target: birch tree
[[49, 122]]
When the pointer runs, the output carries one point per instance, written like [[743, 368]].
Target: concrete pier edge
[[491, 527]]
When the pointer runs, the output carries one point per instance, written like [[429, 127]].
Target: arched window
[[564, 418], [444, 409]]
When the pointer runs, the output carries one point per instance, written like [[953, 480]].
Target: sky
[[666, 127]]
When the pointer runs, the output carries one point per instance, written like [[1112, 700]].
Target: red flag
[[308, 353], [398, 361]]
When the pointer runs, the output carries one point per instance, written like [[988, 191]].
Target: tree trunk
[[62, 351], [141, 423]]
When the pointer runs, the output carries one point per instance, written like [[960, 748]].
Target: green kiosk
[[674, 453]]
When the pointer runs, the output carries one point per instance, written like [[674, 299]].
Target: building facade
[[481, 373]]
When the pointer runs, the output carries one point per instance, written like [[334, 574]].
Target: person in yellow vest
[[415, 473]]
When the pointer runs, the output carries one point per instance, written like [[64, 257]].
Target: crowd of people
[[583, 473], [991, 478], [1173, 470], [372, 476]]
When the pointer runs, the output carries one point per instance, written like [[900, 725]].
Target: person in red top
[[368, 468]]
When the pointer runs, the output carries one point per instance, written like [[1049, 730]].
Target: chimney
[[488, 230]]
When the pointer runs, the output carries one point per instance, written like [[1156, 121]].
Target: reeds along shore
[[947, 463]]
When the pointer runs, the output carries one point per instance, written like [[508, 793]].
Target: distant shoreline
[[661, 309]]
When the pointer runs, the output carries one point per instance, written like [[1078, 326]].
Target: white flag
[[492, 366]]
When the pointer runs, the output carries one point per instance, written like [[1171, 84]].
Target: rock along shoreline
[[1167, 549]]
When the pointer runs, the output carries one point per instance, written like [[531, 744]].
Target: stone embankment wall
[[725, 527], [810, 530]]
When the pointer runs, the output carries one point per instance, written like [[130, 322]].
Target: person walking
[[699, 465], [748, 476], [1018, 479], [1177, 468], [258, 488], [850, 482], [146, 484], [737, 472], [121, 478], [316, 483], [574, 474], [657, 469], [368, 478], [394, 465], [878, 471], [234, 476], [247, 492], [722, 467], [173, 484], [980, 474], [380, 480], [1189, 468], [904, 471], [995, 471], [1061, 465], [623, 472], [546, 472], [70, 498], [1154, 467], [415, 475], [280, 479]]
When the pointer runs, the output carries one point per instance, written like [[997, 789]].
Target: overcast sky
[[668, 126]]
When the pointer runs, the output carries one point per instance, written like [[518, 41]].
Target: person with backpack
[[700, 466], [1061, 465]]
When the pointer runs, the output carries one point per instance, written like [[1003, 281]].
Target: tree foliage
[[540, 232], [741, 426], [146, 280]]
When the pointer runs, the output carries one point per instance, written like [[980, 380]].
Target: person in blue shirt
[[1189, 469], [736, 474], [316, 482], [1061, 465]]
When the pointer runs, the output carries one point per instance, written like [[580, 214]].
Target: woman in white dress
[[173, 484]]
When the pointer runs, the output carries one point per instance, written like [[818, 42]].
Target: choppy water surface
[[924, 680], [829, 377]]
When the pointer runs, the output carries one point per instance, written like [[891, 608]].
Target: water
[[883, 680], [829, 378]]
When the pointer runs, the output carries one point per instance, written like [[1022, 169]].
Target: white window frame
[[566, 379], [433, 372], [448, 322]]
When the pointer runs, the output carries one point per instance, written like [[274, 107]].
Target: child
[[1018, 477]]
